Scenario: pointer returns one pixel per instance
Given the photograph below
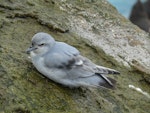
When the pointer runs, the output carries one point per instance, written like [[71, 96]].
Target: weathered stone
[[98, 31]]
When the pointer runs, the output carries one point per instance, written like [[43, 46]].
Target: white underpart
[[80, 62]]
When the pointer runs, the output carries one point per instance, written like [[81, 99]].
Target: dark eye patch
[[41, 44], [32, 44]]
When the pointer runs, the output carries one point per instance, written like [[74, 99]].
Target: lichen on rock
[[92, 26]]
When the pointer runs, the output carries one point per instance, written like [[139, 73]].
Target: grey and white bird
[[63, 64]]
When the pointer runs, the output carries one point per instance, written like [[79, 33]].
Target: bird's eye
[[41, 44]]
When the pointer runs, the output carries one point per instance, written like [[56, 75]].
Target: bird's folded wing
[[61, 55], [97, 68], [104, 70]]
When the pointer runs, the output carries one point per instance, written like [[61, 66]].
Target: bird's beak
[[30, 49]]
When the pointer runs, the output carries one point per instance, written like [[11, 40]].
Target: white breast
[[54, 73]]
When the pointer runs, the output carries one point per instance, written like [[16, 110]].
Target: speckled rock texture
[[98, 31]]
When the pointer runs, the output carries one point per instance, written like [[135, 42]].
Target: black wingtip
[[113, 72], [116, 72], [108, 85]]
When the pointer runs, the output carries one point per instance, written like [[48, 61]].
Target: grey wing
[[75, 67], [85, 70], [80, 66], [61, 56], [97, 68]]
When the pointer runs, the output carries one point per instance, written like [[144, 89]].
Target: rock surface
[[98, 31]]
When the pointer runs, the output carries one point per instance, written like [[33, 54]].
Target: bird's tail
[[104, 70], [107, 82]]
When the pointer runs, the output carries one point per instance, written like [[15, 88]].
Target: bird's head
[[41, 44]]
